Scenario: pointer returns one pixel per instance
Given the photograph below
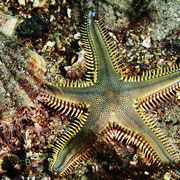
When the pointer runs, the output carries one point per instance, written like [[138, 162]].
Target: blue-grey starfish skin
[[110, 103]]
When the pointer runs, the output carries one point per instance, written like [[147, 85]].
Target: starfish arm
[[153, 101], [89, 58], [67, 152], [96, 35], [101, 57], [145, 126], [115, 133], [68, 157], [153, 85], [167, 149]]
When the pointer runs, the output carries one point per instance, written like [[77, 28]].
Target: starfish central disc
[[110, 94]]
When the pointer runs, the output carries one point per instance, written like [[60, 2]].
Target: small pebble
[[22, 2], [50, 43], [167, 176], [147, 42], [77, 36], [129, 42], [7, 24], [36, 3], [146, 173], [69, 12]]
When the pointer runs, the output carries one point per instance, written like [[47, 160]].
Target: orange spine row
[[152, 102], [77, 112], [63, 107], [113, 50], [116, 133], [156, 99], [90, 58], [77, 160]]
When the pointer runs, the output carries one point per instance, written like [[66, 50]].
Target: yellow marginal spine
[[115, 133], [77, 112], [152, 102]]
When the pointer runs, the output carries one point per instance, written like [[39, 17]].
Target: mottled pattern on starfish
[[111, 103]]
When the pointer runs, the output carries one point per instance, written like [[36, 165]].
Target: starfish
[[111, 103]]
